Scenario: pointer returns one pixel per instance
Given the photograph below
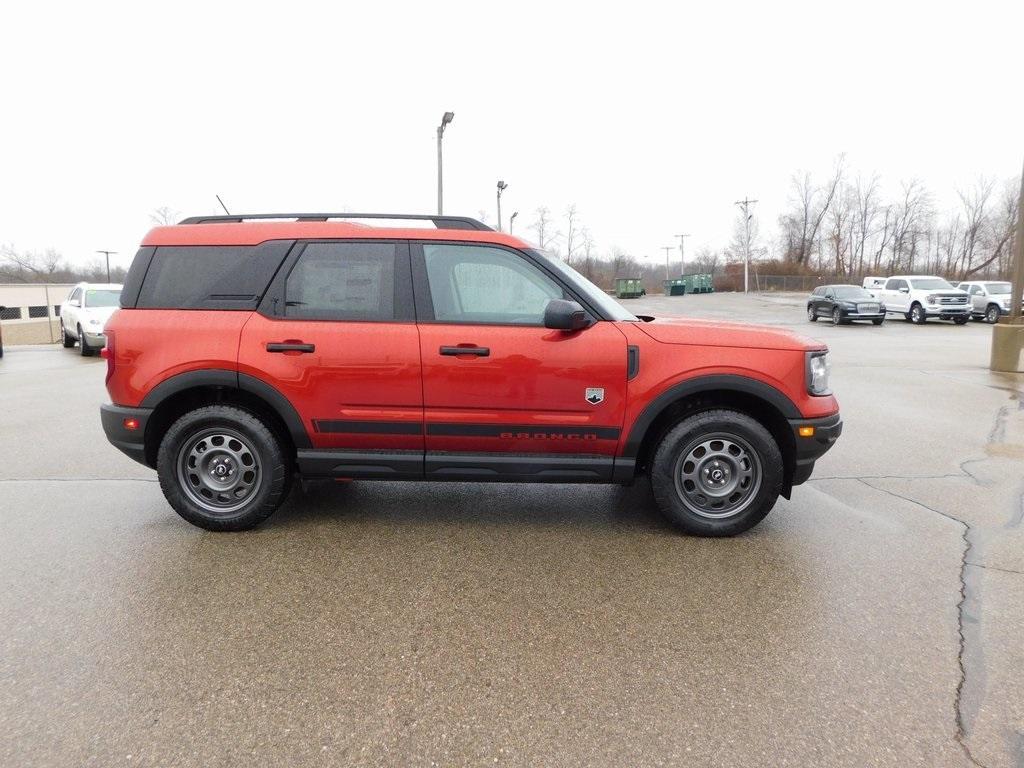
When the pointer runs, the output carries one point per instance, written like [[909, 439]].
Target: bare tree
[[542, 225], [22, 266], [164, 216]]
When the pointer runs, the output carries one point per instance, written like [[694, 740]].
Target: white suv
[[918, 297], [989, 298], [84, 313]]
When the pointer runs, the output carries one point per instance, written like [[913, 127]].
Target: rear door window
[[343, 281]]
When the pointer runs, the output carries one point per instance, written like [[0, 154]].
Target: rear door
[[336, 335], [502, 394]]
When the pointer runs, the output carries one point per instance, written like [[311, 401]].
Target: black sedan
[[844, 303]]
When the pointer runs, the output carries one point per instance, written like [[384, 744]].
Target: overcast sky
[[651, 120]]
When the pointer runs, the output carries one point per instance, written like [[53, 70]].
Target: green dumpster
[[677, 287], [629, 287]]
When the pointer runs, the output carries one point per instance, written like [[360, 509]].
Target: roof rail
[[441, 222]]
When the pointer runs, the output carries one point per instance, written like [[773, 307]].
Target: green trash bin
[[675, 287], [628, 287]]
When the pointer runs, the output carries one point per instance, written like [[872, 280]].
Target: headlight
[[930, 299], [94, 322], [818, 366]]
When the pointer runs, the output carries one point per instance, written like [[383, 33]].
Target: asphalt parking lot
[[875, 619]]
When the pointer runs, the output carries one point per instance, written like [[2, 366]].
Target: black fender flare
[[712, 383], [222, 377]]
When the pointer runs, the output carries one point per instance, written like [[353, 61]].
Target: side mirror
[[562, 315], [74, 303]]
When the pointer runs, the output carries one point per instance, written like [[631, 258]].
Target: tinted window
[[479, 284], [102, 298], [210, 277], [342, 281], [893, 285]]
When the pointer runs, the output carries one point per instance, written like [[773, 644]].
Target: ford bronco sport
[[252, 349]]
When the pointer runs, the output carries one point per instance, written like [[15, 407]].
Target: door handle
[[290, 346], [456, 351]]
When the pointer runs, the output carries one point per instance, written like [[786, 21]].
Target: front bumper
[[131, 442], [809, 449], [948, 313], [96, 340], [852, 314]]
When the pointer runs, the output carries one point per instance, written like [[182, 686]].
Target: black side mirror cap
[[563, 315]]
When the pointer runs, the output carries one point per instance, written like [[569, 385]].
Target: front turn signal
[[806, 431]]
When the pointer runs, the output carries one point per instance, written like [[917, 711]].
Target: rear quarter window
[[209, 277]]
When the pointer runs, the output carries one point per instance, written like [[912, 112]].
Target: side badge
[[594, 395]]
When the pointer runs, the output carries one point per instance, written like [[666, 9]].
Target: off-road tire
[[678, 444], [274, 479]]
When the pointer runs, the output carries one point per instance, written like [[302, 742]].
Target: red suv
[[251, 349]]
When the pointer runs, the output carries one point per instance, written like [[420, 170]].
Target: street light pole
[[511, 220], [446, 118], [744, 205], [668, 249], [682, 255], [502, 186], [108, 254]]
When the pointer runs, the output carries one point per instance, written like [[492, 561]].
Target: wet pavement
[[875, 619]]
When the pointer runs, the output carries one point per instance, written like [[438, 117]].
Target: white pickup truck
[[918, 297]]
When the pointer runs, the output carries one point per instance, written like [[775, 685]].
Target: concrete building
[[32, 314]]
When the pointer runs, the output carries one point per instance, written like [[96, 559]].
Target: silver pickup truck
[[990, 299]]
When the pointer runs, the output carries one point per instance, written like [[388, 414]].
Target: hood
[[98, 313], [713, 333]]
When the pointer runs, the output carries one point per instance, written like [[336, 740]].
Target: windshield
[[930, 283], [852, 292], [608, 306], [997, 288], [101, 298]]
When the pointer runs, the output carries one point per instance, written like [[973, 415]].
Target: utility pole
[[1017, 290], [446, 118], [682, 255], [668, 249], [502, 186], [744, 205], [107, 254]]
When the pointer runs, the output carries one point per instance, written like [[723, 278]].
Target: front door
[[339, 341], [502, 394]]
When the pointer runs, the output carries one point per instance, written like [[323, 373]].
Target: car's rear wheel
[[83, 345], [222, 468], [716, 473], [66, 338], [992, 314], [812, 315], [917, 314]]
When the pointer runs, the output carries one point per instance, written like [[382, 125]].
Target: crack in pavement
[[961, 730], [995, 568]]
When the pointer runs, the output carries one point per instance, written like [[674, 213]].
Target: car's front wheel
[[837, 316], [66, 338], [878, 320], [716, 473], [961, 320], [222, 468], [992, 314], [917, 314], [83, 345], [811, 314]]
